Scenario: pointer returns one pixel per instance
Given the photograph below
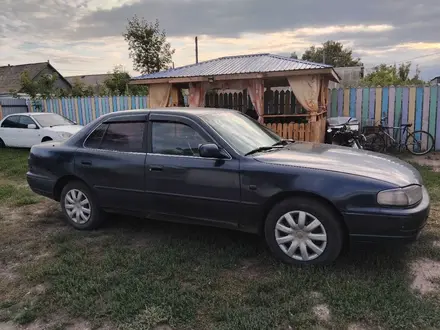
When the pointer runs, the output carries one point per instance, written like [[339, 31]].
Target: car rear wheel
[[79, 206], [46, 139], [2, 144], [303, 231]]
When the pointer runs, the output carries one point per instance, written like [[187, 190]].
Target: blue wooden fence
[[418, 105], [84, 110]]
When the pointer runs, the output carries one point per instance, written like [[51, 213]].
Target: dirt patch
[[432, 160], [248, 269], [322, 312], [357, 326], [316, 296], [425, 272]]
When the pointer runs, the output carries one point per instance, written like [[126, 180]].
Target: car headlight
[[65, 135], [401, 196]]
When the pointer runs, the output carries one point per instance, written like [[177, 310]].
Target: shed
[[255, 75]]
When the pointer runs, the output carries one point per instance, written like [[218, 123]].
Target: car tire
[[46, 139], [80, 207], [304, 231], [2, 144]]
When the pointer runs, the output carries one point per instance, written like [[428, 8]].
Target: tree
[[335, 54], [44, 87], [294, 55], [392, 75], [148, 46], [80, 89], [117, 84]]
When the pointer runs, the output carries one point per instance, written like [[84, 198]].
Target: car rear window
[[125, 137]]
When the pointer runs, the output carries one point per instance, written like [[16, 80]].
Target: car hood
[[72, 129], [344, 160]]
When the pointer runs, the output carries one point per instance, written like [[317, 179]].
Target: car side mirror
[[32, 126], [211, 150]]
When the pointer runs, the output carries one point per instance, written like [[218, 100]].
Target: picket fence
[[86, 109], [418, 105]]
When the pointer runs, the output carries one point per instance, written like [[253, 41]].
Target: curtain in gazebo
[[307, 91], [196, 95], [159, 95], [255, 88]]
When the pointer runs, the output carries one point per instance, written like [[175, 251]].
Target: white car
[[23, 130]]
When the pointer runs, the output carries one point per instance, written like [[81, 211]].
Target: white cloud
[[41, 30]]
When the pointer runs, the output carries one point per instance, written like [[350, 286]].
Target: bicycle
[[418, 142]]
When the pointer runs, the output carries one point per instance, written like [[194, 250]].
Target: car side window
[[171, 138], [11, 122], [94, 139], [122, 136], [25, 121]]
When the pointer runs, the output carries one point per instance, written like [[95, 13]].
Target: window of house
[[126, 137], [171, 138], [11, 122]]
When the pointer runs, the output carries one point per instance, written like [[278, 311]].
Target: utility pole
[[323, 55], [197, 50]]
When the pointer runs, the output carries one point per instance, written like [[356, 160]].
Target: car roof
[[181, 110], [29, 113]]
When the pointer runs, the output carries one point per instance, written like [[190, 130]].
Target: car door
[[28, 136], [181, 184], [112, 162], [10, 131]]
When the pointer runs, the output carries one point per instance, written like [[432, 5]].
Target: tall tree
[[148, 46], [333, 53], [392, 75]]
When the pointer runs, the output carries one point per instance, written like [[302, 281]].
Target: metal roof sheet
[[255, 63]]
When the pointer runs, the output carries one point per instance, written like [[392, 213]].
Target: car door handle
[[85, 162], [156, 168]]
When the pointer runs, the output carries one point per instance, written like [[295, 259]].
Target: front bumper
[[389, 224]]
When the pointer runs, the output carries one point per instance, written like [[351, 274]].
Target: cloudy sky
[[84, 36]]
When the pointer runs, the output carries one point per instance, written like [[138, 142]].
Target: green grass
[[13, 163], [135, 274], [13, 188], [14, 195]]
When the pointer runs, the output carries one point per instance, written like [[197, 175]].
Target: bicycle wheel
[[375, 142], [419, 143]]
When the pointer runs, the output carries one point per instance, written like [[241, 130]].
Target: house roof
[[255, 63], [10, 74], [91, 79]]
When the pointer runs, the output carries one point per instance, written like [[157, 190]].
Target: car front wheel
[[79, 206], [303, 231]]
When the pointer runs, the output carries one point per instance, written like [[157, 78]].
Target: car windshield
[[241, 132], [52, 119]]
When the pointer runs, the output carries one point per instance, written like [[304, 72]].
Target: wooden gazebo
[[301, 111]]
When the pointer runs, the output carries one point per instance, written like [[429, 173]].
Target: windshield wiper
[[283, 142], [260, 149]]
